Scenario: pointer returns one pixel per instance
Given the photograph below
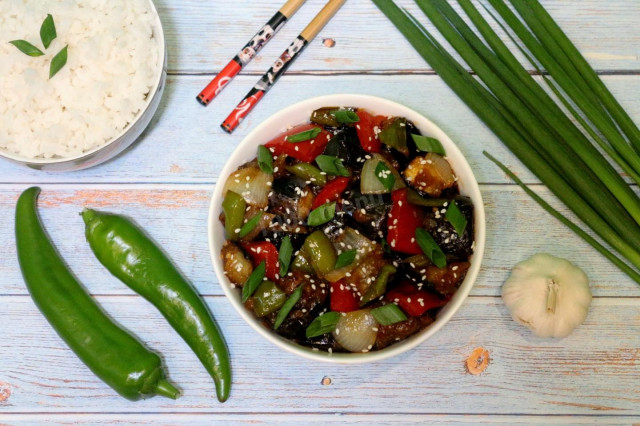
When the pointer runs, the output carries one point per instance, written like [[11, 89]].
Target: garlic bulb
[[548, 294]]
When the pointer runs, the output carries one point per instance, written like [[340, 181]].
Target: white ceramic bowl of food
[[297, 114], [145, 105]]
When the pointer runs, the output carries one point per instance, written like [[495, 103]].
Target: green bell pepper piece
[[308, 172], [321, 253], [268, 298], [379, 287], [234, 207]]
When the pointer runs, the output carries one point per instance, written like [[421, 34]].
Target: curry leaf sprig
[[48, 33], [529, 122]]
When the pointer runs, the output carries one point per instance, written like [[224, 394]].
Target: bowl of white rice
[[100, 102]]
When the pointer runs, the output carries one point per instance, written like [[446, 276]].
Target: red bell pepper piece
[[404, 218], [413, 301], [366, 130], [331, 192], [343, 298], [266, 251], [305, 151]]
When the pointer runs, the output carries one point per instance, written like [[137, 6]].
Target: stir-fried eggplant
[[363, 256]]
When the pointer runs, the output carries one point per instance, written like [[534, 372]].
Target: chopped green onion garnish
[[332, 165], [324, 324], [385, 246], [430, 248], [255, 279], [345, 116], [384, 175], [27, 48], [304, 136], [456, 218], [250, 225], [288, 305], [265, 159], [48, 31], [388, 314], [284, 255], [427, 144], [322, 214], [346, 258]]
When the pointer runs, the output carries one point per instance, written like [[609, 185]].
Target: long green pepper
[[113, 355], [131, 256]]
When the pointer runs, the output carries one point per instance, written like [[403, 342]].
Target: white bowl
[[126, 137], [299, 113]]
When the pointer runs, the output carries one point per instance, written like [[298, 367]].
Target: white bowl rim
[[426, 126], [157, 81]]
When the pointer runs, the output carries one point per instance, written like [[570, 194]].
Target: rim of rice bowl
[[131, 131]]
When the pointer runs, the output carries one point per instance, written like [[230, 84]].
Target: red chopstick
[[280, 65], [249, 50]]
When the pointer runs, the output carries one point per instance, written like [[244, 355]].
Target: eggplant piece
[[235, 264], [430, 174], [312, 302], [444, 234], [390, 334], [447, 280], [276, 234], [367, 213], [345, 145], [289, 186], [290, 200], [324, 343]]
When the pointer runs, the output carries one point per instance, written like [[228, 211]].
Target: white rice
[[113, 63]]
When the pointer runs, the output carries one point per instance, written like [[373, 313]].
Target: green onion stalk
[[568, 79], [522, 101], [518, 111]]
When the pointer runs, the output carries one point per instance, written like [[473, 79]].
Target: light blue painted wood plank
[[203, 36], [176, 217], [593, 371], [311, 419], [186, 144]]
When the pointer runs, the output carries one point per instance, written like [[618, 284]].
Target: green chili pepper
[[379, 287], [308, 172], [234, 207], [268, 298], [321, 253], [133, 258], [114, 355]]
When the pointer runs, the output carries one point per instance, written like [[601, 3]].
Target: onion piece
[[369, 182], [252, 183], [356, 331], [349, 239]]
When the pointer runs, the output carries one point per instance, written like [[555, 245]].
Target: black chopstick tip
[[226, 128], [201, 100]]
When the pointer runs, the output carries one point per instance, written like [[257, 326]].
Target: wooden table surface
[[166, 179]]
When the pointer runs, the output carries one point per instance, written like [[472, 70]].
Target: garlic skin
[[548, 294]]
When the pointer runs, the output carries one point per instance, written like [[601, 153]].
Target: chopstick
[[249, 50], [280, 65]]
